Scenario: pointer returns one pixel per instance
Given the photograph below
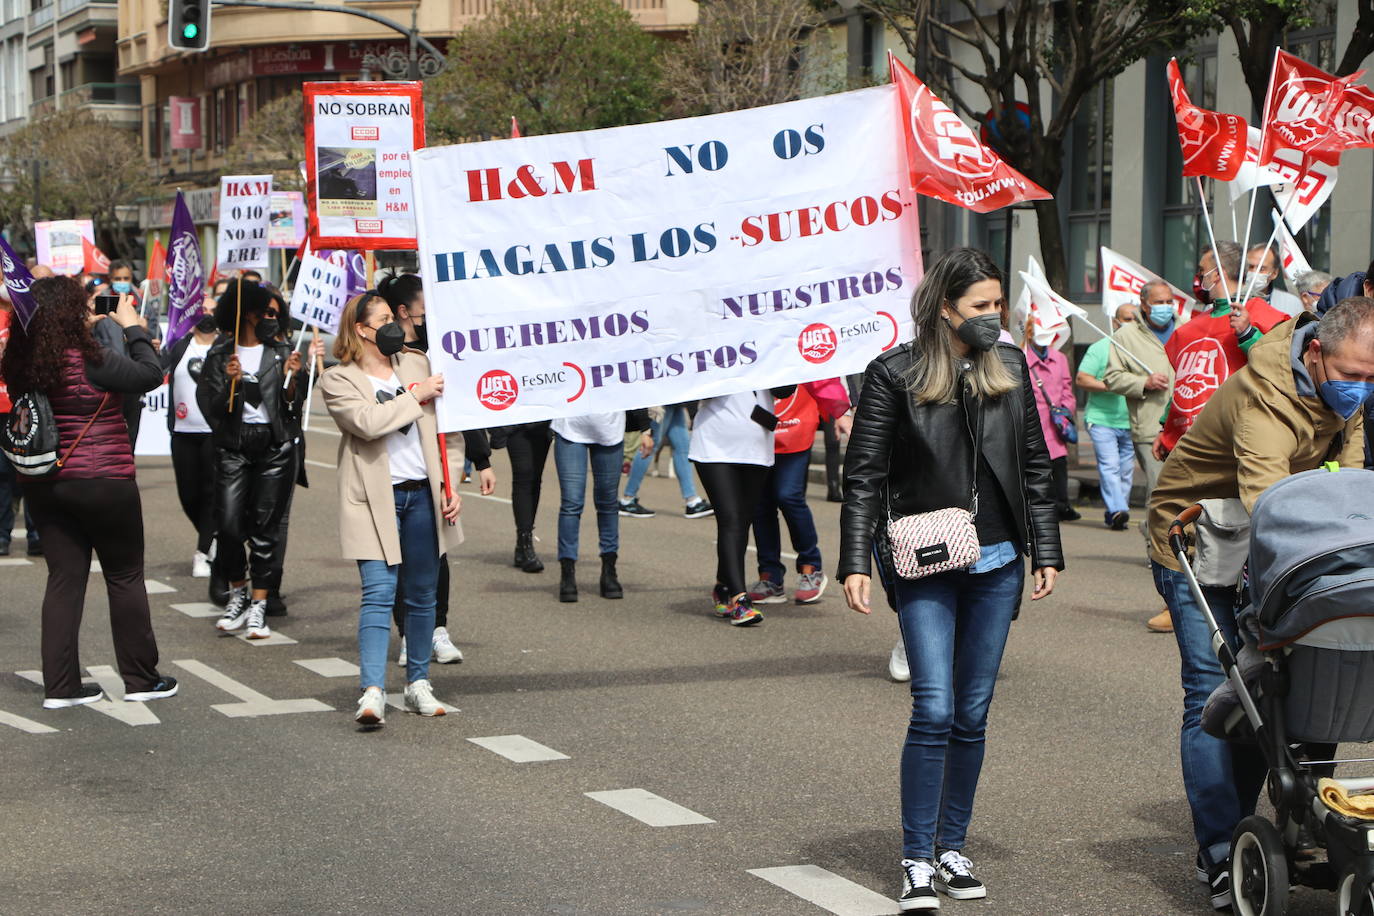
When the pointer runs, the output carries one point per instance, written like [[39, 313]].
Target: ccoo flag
[[18, 282], [185, 276], [1213, 144]]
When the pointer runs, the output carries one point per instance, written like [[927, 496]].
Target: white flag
[[1123, 279], [1280, 175], [1021, 309], [1050, 313], [1293, 260]]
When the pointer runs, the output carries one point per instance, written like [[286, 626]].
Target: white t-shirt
[[189, 419], [725, 432], [593, 429], [250, 361], [403, 449]]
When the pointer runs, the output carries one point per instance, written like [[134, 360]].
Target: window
[[1090, 191], [1185, 234]]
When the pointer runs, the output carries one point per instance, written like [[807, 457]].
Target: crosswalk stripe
[[328, 667], [155, 587], [198, 609], [396, 701], [278, 638], [827, 890], [320, 464], [104, 675], [25, 725], [15, 561], [518, 748], [648, 808], [251, 703]]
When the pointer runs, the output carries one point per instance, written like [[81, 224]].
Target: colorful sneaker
[[630, 508], [720, 596], [811, 585], [698, 508], [743, 613], [766, 591], [235, 611]]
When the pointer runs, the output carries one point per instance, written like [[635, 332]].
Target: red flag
[[1299, 109], [157, 262], [1213, 144], [96, 262], [1352, 122], [514, 127], [946, 159]]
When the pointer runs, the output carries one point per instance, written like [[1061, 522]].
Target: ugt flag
[[18, 282], [1299, 109], [185, 276], [1213, 144], [946, 160]]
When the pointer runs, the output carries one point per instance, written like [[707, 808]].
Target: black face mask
[[981, 332], [390, 338], [206, 324], [267, 329], [421, 341]]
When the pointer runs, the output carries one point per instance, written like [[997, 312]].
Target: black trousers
[[1059, 477], [254, 483], [288, 497], [75, 517], [193, 463], [734, 491], [528, 447], [833, 478]]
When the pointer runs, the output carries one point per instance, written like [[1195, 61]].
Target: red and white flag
[[1300, 108], [94, 258], [1213, 144], [1020, 311], [1050, 313], [1281, 175], [1291, 258], [514, 127], [1123, 279], [945, 158]]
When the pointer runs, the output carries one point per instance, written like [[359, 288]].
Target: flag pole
[[1283, 216], [1216, 255], [1245, 251], [1114, 342], [238, 318], [310, 383]]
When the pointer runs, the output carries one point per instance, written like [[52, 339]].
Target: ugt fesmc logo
[[497, 390], [816, 343]]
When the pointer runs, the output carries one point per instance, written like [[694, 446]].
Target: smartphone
[[104, 305]]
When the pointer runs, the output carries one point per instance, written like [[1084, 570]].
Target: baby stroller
[[1305, 674]]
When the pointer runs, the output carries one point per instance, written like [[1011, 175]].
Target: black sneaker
[[954, 876], [1219, 885], [35, 548], [698, 508], [4, 548], [918, 891], [164, 687], [84, 694], [630, 508], [235, 611], [276, 607], [1120, 520]]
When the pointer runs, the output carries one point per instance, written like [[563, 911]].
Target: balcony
[[118, 103], [66, 7], [42, 16]]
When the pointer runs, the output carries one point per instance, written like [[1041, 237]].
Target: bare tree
[[273, 139]]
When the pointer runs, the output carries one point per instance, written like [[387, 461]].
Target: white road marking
[[15, 561], [278, 638], [198, 609], [320, 464], [104, 675], [155, 587], [24, 725], [651, 809], [95, 566], [828, 890], [19, 534], [328, 667], [396, 700], [518, 748], [251, 702], [782, 553]]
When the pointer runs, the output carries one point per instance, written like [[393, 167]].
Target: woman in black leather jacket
[[911, 452]]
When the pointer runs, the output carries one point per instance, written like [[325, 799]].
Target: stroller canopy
[[1312, 553]]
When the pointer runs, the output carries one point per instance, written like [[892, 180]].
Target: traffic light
[[188, 24]]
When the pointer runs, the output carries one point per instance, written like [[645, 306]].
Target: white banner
[[1123, 279], [245, 205], [320, 293], [1280, 175], [577, 273], [153, 436]]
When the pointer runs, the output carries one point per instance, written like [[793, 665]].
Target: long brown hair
[[934, 377], [348, 343], [35, 358]]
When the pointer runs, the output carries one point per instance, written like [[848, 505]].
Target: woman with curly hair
[[91, 502]]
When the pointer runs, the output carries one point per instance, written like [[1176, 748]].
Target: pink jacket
[[1051, 379]]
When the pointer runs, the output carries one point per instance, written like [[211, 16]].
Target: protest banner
[[153, 436], [59, 244], [286, 221], [359, 142], [655, 263], [244, 205], [320, 293], [1123, 279], [18, 284]]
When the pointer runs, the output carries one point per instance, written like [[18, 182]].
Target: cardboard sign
[[286, 222], [60, 246], [320, 293], [245, 203]]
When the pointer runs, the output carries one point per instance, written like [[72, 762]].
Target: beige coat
[[1125, 377], [367, 508]]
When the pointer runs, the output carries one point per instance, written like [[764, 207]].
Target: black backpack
[[29, 438]]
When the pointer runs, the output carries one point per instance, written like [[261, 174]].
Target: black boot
[[525, 557], [567, 586], [610, 584]]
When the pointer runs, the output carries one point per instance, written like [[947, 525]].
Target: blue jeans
[[786, 492], [571, 458], [419, 575], [1222, 780], [1115, 465], [9, 489], [674, 430], [955, 627]]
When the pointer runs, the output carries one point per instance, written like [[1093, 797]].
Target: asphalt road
[[782, 740]]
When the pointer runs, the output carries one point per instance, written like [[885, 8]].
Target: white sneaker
[[897, 667], [257, 620], [200, 566], [235, 611], [420, 699], [401, 656], [445, 652], [371, 707]]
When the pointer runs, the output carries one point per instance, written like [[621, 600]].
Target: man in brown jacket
[[1296, 404]]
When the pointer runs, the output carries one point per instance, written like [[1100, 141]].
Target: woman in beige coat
[[394, 514]]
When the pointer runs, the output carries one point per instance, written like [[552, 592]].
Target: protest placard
[[286, 222], [244, 206], [359, 140], [656, 263], [320, 293], [59, 243]]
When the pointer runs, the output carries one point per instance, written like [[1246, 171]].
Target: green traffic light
[[189, 31]]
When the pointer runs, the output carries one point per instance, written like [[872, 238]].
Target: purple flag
[[356, 264], [17, 283], [185, 276]]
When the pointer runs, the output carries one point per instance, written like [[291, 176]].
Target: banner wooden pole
[[1211, 234], [371, 267]]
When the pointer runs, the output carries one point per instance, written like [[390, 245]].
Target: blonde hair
[[348, 343], [934, 376]]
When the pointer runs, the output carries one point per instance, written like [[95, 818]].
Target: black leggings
[[528, 447], [193, 463], [734, 491], [254, 482]]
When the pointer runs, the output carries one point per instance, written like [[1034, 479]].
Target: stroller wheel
[[1349, 904], [1259, 869]]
